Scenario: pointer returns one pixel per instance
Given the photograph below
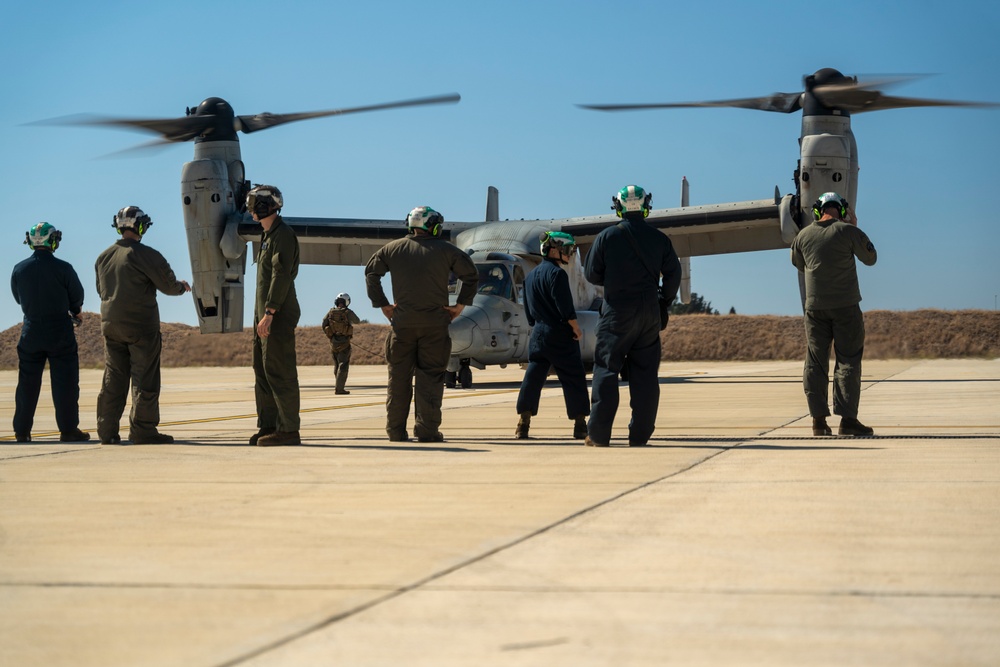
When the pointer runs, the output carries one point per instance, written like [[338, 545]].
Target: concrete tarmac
[[737, 538]]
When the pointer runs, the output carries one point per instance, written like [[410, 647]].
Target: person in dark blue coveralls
[[623, 259], [51, 296], [555, 336]]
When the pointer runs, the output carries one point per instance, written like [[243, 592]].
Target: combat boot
[[280, 439], [76, 435], [260, 434], [850, 426], [820, 427], [523, 424], [580, 427], [22, 437], [591, 443], [154, 438]]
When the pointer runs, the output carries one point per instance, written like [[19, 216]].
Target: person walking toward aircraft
[[338, 325], [418, 345], [825, 252], [51, 296], [555, 336], [276, 312], [128, 276], [628, 259]]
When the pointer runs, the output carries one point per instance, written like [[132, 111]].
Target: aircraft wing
[[713, 229], [694, 230], [338, 241]]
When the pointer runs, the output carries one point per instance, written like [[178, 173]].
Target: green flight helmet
[[43, 235], [632, 199], [830, 199], [426, 218], [561, 240]]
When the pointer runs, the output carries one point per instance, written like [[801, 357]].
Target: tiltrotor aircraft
[[494, 329]]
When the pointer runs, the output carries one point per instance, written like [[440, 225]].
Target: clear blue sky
[[928, 182]]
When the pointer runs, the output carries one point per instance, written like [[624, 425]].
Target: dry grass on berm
[[890, 335]]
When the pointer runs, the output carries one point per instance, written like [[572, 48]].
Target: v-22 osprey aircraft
[[494, 329]]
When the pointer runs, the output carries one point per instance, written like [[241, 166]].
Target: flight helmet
[[632, 199], [264, 200], [345, 297], [830, 199], [561, 240], [132, 217], [426, 218], [43, 235]]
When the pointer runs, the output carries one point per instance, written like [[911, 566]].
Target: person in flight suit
[[128, 275], [276, 312], [51, 296], [338, 325], [825, 252], [555, 336], [628, 259], [418, 346]]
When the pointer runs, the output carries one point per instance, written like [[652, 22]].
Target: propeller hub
[[222, 127]]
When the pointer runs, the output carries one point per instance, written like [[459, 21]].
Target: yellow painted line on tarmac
[[253, 415]]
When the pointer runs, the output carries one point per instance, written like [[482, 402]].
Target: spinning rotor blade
[[778, 102], [264, 121], [214, 120], [171, 130], [828, 88], [859, 101]]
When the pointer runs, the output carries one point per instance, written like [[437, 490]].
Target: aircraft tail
[[492, 204]]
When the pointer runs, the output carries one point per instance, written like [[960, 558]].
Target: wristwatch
[[270, 312]]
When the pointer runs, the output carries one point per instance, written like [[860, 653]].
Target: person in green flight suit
[[825, 251], [129, 273], [418, 346], [276, 313]]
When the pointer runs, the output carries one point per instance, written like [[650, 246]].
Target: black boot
[[580, 427], [820, 427], [849, 426]]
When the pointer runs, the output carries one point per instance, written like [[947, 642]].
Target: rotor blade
[[170, 129], [859, 101], [266, 120], [778, 102], [146, 149], [870, 81]]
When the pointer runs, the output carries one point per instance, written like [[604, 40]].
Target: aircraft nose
[[464, 329]]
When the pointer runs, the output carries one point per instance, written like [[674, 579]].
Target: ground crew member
[[128, 276], [628, 260], [276, 312], [338, 325], [825, 251], [51, 296], [555, 336], [418, 344]]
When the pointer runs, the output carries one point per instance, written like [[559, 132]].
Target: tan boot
[[521, 432]]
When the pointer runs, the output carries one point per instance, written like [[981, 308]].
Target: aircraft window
[[519, 282], [495, 280]]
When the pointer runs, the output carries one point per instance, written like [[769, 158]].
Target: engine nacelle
[[217, 282], [829, 161]]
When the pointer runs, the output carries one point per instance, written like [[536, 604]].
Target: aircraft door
[[518, 324]]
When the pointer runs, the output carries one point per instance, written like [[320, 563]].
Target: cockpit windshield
[[494, 279]]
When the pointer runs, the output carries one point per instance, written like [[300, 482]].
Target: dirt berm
[[890, 335]]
